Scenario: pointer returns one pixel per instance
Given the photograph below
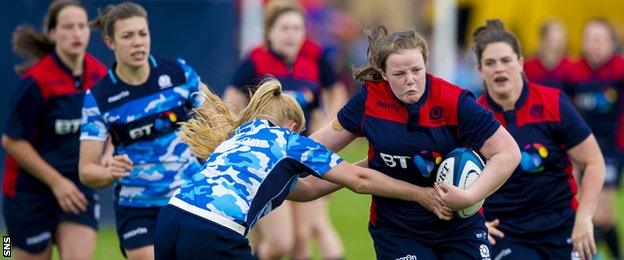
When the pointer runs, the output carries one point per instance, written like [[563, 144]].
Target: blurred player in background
[[304, 69], [534, 214], [596, 86], [412, 120], [551, 65], [44, 201], [138, 105]]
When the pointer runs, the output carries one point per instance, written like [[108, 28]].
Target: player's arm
[[69, 197], [93, 173], [368, 181], [503, 155], [588, 156]]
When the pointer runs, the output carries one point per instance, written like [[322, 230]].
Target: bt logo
[[424, 161], [66, 126]]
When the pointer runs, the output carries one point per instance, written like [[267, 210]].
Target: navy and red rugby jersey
[[302, 79], [598, 95], [539, 195], [556, 77], [46, 110], [408, 142]]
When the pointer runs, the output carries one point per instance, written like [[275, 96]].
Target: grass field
[[349, 212]]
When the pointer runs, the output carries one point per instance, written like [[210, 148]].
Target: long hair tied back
[[213, 122]]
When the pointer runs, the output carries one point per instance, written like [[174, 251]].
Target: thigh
[[166, 233], [470, 244], [75, 241], [393, 245], [199, 238], [135, 227], [91, 216], [277, 226], [31, 221]]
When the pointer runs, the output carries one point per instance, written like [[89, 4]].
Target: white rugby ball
[[461, 168]]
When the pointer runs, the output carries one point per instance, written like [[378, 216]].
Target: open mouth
[[138, 55], [500, 79], [76, 44]]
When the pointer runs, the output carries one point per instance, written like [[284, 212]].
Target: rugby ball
[[461, 168]]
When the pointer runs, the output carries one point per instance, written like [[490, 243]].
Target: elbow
[[361, 185], [6, 142]]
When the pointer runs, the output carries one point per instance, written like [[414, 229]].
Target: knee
[[76, 254], [276, 248]]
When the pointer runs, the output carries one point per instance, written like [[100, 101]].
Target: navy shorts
[[182, 235], [614, 163], [32, 219], [470, 244], [135, 226], [551, 245]]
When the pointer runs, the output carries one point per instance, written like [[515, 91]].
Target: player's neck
[[73, 62], [550, 59], [132, 75]]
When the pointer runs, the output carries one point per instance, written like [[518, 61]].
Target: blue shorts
[[135, 226], [470, 244], [182, 235], [32, 219], [548, 245]]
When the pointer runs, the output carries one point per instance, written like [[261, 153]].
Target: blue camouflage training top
[[252, 172], [142, 122]]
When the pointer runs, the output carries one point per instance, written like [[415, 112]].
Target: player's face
[[555, 39], [131, 42], [287, 34], [406, 73], [71, 33], [598, 45], [501, 69]]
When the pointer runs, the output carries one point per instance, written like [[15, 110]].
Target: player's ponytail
[[268, 102], [381, 45], [210, 125], [213, 123], [31, 44], [492, 32]]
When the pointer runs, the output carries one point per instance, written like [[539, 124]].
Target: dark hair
[[381, 45], [31, 44], [106, 19], [493, 32]]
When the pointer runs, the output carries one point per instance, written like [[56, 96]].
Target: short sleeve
[[93, 126], [312, 154], [192, 82], [475, 123], [25, 109], [352, 114], [573, 128], [244, 76], [328, 73]]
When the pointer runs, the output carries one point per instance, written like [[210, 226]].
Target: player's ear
[[110, 43]]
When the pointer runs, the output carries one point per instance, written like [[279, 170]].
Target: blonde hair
[[382, 44], [213, 123]]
